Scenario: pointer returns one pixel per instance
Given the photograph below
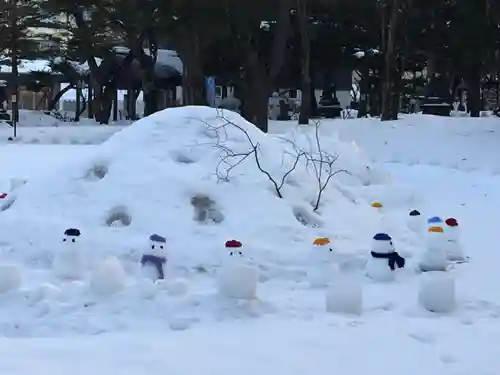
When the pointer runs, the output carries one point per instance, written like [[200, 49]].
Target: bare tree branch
[[231, 159]]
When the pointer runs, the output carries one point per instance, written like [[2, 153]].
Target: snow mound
[[201, 176]]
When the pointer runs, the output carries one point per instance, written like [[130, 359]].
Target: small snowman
[[384, 259], [237, 277], [454, 249], [154, 259], [322, 267], [415, 222], [434, 257], [69, 262]]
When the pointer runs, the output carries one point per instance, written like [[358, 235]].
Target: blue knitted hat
[[157, 238], [434, 220], [414, 213], [382, 237]]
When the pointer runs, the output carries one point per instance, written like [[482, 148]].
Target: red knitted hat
[[3, 195], [233, 243], [451, 222]]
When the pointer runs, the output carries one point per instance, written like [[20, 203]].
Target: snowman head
[[235, 248], [435, 237], [157, 245], [322, 249], [452, 229], [382, 243], [71, 236]]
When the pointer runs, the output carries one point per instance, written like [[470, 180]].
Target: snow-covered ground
[[152, 170]]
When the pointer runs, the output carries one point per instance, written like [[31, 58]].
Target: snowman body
[[154, 259], [108, 278], [70, 262], [415, 222], [344, 295], [238, 276], [434, 257], [378, 265]]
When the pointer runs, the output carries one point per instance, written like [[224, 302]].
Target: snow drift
[[190, 174]]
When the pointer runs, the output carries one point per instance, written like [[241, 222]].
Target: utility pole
[[14, 79]]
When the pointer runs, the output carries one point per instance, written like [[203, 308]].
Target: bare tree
[[230, 158], [321, 162]]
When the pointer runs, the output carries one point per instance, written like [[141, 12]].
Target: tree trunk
[[305, 42], [389, 28], [193, 80], [264, 75], [58, 97], [474, 92], [103, 103]]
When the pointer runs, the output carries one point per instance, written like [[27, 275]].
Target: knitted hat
[[321, 241], [377, 205], [436, 230], [72, 232], [435, 220], [382, 237], [3, 195], [157, 238], [233, 243], [414, 213], [451, 222]]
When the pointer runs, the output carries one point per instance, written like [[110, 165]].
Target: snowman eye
[[152, 247], [73, 240], [231, 253], [330, 249], [161, 246], [240, 252], [64, 239]]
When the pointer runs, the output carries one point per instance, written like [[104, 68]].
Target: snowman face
[[236, 253], [322, 253], [156, 248], [69, 240], [383, 247]]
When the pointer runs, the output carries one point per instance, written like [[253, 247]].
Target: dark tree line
[[258, 46]]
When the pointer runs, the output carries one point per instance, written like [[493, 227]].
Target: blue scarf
[[393, 259], [157, 261]]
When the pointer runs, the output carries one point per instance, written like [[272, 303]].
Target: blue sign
[[210, 90]]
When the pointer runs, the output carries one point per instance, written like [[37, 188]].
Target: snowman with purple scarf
[[154, 259]]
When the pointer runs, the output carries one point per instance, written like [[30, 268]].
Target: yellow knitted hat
[[436, 230], [321, 241], [377, 205]]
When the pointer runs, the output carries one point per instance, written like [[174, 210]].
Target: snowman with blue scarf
[[153, 260], [384, 259]]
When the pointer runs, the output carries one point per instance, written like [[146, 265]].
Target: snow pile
[[198, 176], [180, 172]]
